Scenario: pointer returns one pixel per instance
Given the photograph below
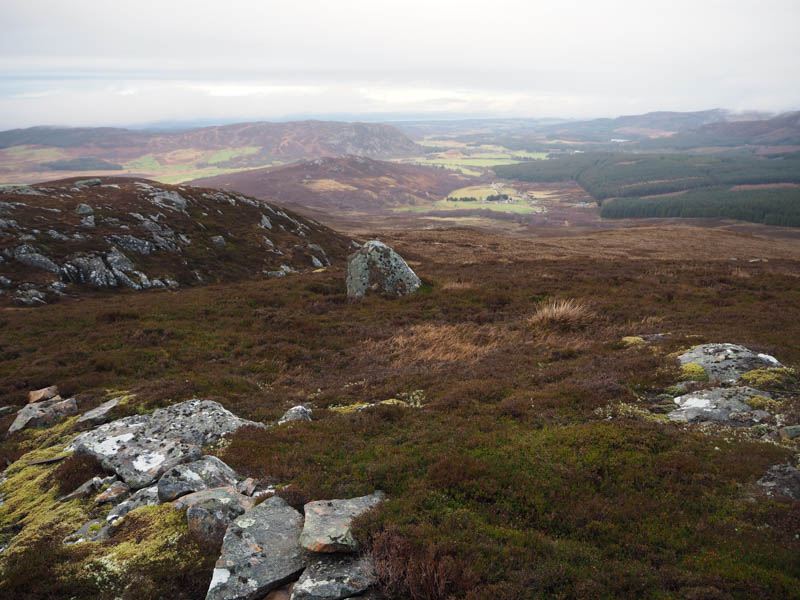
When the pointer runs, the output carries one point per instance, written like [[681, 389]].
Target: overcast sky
[[112, 62]]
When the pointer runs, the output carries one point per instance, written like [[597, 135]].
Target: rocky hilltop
[[74, 236]]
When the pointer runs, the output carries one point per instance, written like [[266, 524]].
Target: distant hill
[[342, 184], [73, 236], [176, 156]]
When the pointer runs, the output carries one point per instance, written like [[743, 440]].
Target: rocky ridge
[[68, 237]]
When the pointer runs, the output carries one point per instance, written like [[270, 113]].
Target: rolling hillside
[[343, 184]]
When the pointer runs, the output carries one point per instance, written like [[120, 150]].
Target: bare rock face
[[377, 269], [259, 553], [334, 576], [726, 362], [328, 523], [141, 448], [208, 472]]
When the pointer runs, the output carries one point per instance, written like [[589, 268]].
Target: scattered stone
[[43, 394], [208, 516], [333, 577], [259, 552], [131, 243], [99, 415], [84, 183], [208, 472], [791, 432], [84, 209], [718, 404], [145, 497], [781, 480], [88, 221], [28, 256], [376, 268], [48, 461], [725, 362], [88, 488], [115, 493], [218, 241], [296, 413], [328, 523], [43, 414], [247, 487], [93, 531], [4, 410]]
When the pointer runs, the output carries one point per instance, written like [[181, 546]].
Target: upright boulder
[[377, 269]]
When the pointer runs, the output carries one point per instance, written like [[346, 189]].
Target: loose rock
[[296, 413], [781, 480], [115, 493], [328, 523], [718, 404], [208, 516], [99, 415], [726, 362], [333, 577], [208, 472], [43, 394], [259, 552]]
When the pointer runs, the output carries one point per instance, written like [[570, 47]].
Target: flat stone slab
[[260, 553], [727, 362], [328, 523], [98, 415], [208, 472], [334, 577], [43, 394], [141, 448], [43, 413], [114, 494], [717, 404]]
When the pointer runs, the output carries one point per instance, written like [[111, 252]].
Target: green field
[[474, 159]]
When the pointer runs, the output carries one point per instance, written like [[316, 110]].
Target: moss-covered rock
[[773, 379], [693, 372]]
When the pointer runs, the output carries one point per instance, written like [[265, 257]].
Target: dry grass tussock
[[430, 342], [565, 314]]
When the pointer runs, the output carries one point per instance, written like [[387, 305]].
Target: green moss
[[633, 340], [764, 403], [778, 378], [693, 372]]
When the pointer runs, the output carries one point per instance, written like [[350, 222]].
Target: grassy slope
[[509, 482]]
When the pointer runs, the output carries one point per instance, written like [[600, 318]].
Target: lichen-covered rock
[[328, 523], [726, 362], [29, 257], [260, 552], [334, 577], [98, 415], [88, 488], [376, 268], [296, 413], [141, 448], [43, 394], [210, 513], [719, 404], [781, 480], [208, 472]]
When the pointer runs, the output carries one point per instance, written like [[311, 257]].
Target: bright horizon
[[92, 63]]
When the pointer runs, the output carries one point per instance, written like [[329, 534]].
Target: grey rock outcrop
[[781, 480], [141, 448], [334, 577], [726, 362], [377, 269], [208, 472], [328, 523], [145, 497], [259, 552], [28, 256], [718, 404], [114, 494]]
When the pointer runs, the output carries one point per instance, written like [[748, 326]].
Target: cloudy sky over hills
[[93, 62]]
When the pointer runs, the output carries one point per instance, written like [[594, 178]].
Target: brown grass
[[564, 314]]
